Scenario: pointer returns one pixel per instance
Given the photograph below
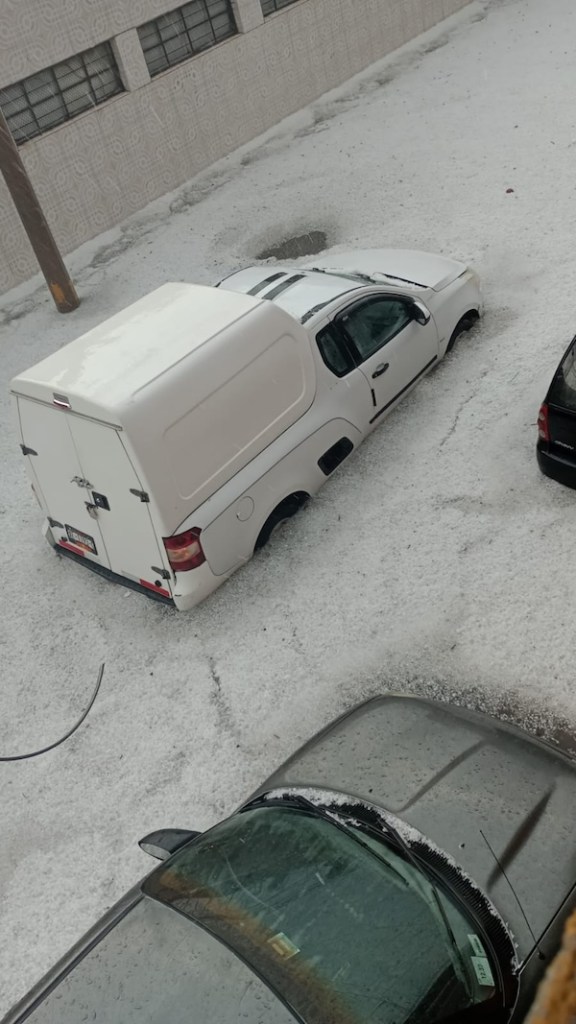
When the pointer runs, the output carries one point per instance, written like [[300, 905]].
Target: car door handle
[[380, 370]]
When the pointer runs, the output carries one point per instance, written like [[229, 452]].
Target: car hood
[[464, 781], [423, 269]]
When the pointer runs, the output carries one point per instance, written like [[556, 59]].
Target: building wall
[[95, 170]]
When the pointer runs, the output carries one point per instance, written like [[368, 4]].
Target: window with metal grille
[[50, 97], [270, 6], [175, 36]]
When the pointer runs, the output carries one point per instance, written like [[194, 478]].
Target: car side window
[[375, 322], [335, 351]]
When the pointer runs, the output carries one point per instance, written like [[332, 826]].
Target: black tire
[[285, 510], [464, 324]]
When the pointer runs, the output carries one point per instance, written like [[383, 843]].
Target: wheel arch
[[284, 509]]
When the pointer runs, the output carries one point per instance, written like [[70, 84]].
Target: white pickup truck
[[166, 444]]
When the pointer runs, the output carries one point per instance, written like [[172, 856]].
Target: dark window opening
[[184, 32], [334, 351], [563, 388], [270, 6], [50, 97], [372, 324]]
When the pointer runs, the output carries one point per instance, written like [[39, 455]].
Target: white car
[[167, 443]]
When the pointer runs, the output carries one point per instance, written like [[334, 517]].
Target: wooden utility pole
[[35, 224]]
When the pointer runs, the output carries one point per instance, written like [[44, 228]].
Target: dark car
[[556, 447], [411, 864]]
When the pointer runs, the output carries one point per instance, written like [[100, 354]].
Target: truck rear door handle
[[380, 370]]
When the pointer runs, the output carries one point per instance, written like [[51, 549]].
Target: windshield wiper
[[355, 275], [394, 277], [359, 275]]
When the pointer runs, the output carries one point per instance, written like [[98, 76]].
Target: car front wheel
[[464, 324]]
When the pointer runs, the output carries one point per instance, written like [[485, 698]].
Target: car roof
[[298, 291]]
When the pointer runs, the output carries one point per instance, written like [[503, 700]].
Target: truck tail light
[[543, 426], [184, 550]]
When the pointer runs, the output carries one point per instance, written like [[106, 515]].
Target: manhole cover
[[298, 245]]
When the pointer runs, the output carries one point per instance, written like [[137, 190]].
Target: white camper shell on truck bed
[[134, 425]]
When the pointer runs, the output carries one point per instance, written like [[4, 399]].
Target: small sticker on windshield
[[483, 971], [282, 945], [477, 947]]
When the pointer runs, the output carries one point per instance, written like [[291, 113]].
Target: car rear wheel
[[284, 511], [464, 324]]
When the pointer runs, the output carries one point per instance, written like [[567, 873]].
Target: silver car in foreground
[[411, 864]]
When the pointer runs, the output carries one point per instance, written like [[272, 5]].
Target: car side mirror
[[163, 843], [419, 312]]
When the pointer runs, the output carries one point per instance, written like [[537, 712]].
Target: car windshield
[[335, 919], [563, 388]]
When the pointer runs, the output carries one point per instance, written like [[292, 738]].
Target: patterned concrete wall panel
[[104, 165]]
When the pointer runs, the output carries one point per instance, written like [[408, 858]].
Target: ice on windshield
[[335, 920]]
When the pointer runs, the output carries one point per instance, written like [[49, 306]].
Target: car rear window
[[563, 388]]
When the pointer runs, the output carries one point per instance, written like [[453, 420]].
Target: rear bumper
[[556, 467], [113, 577], [190, 588]]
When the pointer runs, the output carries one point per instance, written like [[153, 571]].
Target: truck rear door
[[58, 479], [121, 506], [91, 493]]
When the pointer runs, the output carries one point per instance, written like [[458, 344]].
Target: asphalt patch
[[297, 245]]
